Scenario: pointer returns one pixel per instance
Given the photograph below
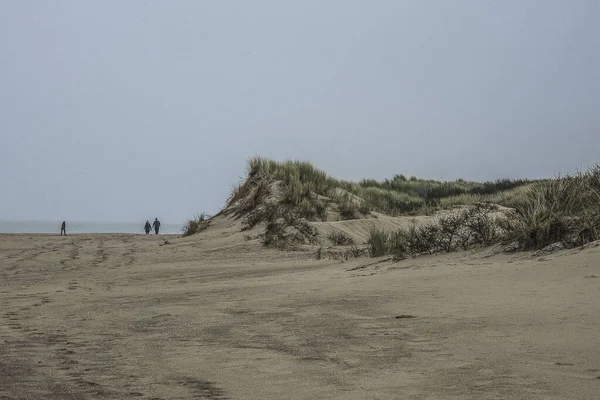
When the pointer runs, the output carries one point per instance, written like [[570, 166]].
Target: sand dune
[[358, 229], [217, 316]]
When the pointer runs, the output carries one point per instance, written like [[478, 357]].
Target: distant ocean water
[[84, 227]]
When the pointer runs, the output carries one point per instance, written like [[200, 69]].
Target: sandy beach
[[315, 200], [217, 316]]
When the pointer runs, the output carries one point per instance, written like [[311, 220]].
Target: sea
[[74, 227]]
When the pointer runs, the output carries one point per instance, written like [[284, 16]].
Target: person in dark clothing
[[63, 228], [156, 225], [147, 227]]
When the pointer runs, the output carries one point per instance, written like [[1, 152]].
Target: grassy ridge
[[292, 193], [564, 210], [304, 186]]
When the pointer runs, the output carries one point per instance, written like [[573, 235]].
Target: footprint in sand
[[11, 315]]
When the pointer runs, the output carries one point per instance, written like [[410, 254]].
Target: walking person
[[63, 228], [156, 225], [147, 227]]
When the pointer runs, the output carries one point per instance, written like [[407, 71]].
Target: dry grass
[[459, 230], [280, 194], [565, 209], [339, 238], [309, 192], [196, 225]]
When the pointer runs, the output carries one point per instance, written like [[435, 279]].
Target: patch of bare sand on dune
[[359, 229]]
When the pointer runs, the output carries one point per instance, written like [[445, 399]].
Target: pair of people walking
[[155, 225]]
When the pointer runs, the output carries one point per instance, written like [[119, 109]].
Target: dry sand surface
[[218, 317]]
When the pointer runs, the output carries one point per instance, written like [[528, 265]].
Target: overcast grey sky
[[127, 110]]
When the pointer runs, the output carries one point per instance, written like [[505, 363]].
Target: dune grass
[[310, 190], [565, 209], [339, 238], [293, 193], [196, 225], [378, 242]]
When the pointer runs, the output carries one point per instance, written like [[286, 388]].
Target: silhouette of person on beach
[[156, 225], [147, 227], [63, 228]]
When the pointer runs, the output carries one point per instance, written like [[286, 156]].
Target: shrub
[[355, 252], [397, 245], [320, 210], [458, 230], [196, 225], [481, 225], [347, 210], [451, 232], [378, 243], [422, 239], [287, 232], [363, 208], [339, 238], [566, 209]]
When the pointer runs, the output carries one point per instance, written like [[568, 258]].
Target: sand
[[215, 316]]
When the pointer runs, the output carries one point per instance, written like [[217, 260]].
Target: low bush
[[196, 225], [378, 243], [397, 244], [457, 230], [319, 253], [481, 224], [288, 232], [348, 210], [355, 252], [566, 209], [339, 238]]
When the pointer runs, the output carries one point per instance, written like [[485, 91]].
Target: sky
[[130, 110]]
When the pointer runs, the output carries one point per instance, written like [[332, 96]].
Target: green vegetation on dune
[[457, 230], [305, 186], [565, 209], [288, 195], [196, 225]]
